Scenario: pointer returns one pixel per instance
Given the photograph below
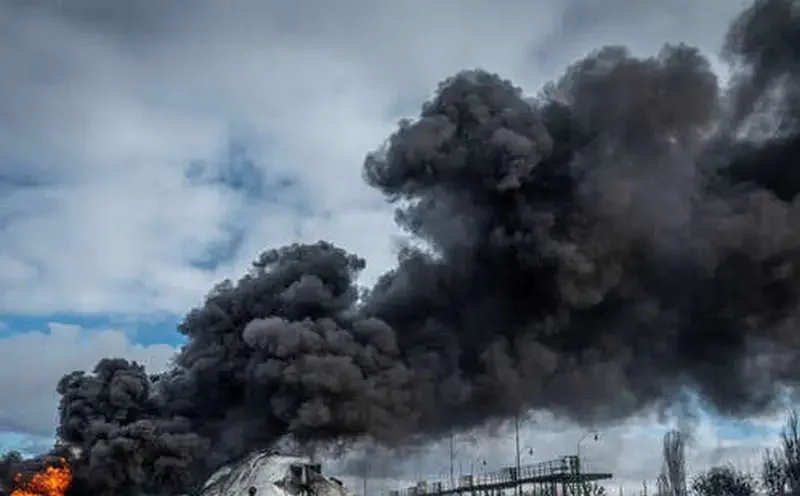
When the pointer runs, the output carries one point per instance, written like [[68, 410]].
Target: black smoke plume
[[625, 236]]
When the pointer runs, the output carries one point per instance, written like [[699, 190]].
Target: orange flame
[[52, 481]]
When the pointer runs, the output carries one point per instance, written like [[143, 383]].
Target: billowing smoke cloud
[[623, 237]]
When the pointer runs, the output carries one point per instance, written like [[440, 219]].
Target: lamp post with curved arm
[[516, 446], [596, 436]]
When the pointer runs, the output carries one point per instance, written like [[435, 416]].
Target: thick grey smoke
[[626, 235]]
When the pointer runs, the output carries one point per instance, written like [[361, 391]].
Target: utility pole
[[578, 449], [516, 443], [368, 418], [452, 460], [366, 469]]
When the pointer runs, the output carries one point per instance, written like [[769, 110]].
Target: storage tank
[[267, 474]]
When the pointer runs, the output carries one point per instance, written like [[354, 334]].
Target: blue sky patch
[[742, 429], [26, 444], [146, 332]]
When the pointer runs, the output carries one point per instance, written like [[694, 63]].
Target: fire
[[52, 481]]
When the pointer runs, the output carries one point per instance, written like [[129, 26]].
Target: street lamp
[[516, 445], [595, 435], [366, 473], [452, 460], [481, 467]]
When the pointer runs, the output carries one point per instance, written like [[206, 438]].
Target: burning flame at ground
[[53, 481]]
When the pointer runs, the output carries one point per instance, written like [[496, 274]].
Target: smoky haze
[[597, 249]]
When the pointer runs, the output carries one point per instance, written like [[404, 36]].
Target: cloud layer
[[146, 154], [127, 132], [34, 360]]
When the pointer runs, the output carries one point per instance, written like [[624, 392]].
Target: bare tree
[[781, 467], [790, 446], [773, 475], [723, 481], [672, 480], [662, 486]]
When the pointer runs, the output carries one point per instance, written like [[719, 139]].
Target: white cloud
[[34, 361], [105, 107], [105, 104]]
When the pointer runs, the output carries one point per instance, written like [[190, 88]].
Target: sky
[[149, 150]]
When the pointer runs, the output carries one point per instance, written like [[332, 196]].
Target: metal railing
[[563, 466]]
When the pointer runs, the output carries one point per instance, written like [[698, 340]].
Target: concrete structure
[[267, 474]]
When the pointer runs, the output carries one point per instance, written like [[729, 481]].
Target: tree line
[[780, 470]]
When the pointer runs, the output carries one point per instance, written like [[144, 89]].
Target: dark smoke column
[[285, 351], [125, 441], [600, 249]]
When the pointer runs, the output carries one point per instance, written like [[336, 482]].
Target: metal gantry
[[561, 477]]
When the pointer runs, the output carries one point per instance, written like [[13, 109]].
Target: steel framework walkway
[[551, 478]]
